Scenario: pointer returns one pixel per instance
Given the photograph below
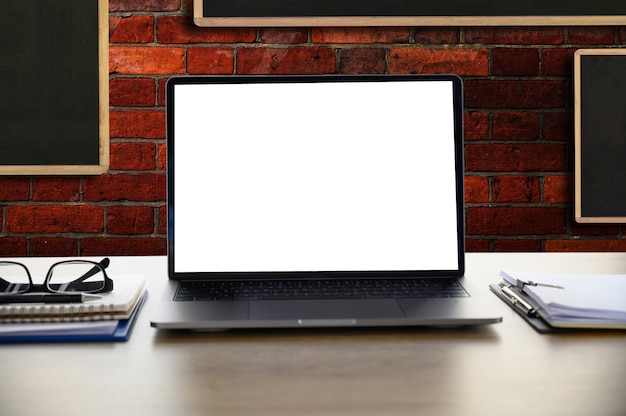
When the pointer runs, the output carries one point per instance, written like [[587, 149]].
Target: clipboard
[[534, 319]]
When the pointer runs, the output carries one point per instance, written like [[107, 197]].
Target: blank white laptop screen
[[315, 176]]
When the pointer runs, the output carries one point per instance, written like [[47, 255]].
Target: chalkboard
[[408, 12], [600, 135], [54, 106]]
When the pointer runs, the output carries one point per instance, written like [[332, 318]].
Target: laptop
[[316, 201]]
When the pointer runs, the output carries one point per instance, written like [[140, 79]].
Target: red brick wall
[[519, 135]]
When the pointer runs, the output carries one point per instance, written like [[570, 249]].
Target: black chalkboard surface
[[408, 12], [54, 87], [600, 135]]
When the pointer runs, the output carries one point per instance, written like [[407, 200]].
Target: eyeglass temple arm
[[104, 263]]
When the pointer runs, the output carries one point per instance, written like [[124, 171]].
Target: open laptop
[[316, 201]]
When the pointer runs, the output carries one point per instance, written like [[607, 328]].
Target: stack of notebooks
[[108, 319], [560, 302]]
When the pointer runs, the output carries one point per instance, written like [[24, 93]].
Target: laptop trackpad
[[325, 309]]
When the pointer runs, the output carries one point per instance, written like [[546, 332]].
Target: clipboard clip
[[517, 301], [520, 284]]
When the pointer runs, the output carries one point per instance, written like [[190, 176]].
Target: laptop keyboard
[[315, 289]]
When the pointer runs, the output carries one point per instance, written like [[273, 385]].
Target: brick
[[132, 92], [514, 188], [283, 35], [211, 61], [515, 35], [56, 188], [516, 245], [298, 60], [362, 61], [54, 219], [586, 245], [54, 246], [124, 246], [437, 35], [133, 156], [14, 188], [515, 62], [522, 94], [621, 34], [464, 62], [162, 157], [601, 35], [360, 35], [140, 124], [477, 245], [182, 30], [509, 221], [515, 126], [131, 29], [145, 187], [557, 62], [558, 189], [476, 125], [515, 157], [13, 246], [124, 220], [162, 221], [143, 5], [476, 189], [144, 60], [558, 126], [594, 229]]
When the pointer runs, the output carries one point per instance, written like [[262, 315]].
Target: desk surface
[[501, 369]]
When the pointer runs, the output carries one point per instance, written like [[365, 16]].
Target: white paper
[[53, 328], [601, 296]]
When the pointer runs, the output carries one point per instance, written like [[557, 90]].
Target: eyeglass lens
[[14, 278], [76, 276]]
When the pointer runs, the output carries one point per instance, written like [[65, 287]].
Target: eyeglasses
[[65, 276]]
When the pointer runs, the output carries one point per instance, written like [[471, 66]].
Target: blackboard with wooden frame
[[264, 13], [600, 135], [54, 82]]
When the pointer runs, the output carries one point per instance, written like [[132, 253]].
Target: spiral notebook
[[118, 304], [74, 331]]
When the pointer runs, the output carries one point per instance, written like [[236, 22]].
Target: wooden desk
[[502, 369]]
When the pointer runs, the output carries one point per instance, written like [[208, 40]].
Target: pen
[[520, 284], [516, 300], [48, 298]]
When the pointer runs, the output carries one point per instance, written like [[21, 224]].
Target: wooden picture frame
[[55, 87], [295, 13], [600, 135]]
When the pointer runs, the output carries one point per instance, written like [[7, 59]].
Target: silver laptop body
[[316, 180]]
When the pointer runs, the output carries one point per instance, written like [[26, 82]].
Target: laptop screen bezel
[[327, 274]]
